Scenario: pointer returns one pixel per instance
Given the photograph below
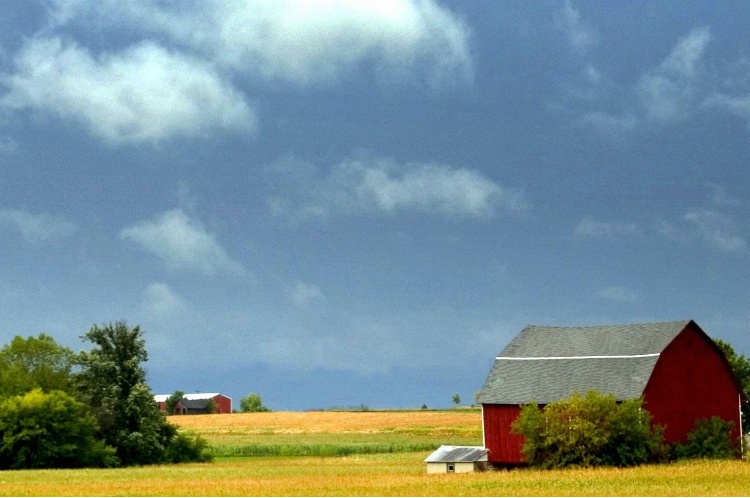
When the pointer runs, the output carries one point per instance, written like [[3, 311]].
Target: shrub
[[188, 447], [49, 430], [710, 438], [587, 431]]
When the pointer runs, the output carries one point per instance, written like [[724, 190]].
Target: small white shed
[[458, 459]]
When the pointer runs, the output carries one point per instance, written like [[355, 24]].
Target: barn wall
[[691, 381], [505, 448], [223, 404]]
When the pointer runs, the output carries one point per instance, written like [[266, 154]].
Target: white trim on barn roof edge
[[576, 357]]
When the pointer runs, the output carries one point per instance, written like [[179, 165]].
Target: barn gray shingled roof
[[545, 364]]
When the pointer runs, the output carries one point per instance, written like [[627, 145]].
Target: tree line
[[89, 409]]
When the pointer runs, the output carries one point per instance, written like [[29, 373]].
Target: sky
[[342, 203]]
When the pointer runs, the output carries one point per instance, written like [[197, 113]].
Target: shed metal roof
[[545, 364], [448, 454]]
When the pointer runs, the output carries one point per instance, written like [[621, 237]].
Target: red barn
[[680, 372]]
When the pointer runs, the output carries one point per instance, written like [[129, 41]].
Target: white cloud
[[143, 94], [589, 227], [717, 230], [36, 228], [382, 186], [159, 299], [737, 105], [303, 41], [720, 196], [303, 294], [619, 295], [668, 93], [182, 243], [580, 36]]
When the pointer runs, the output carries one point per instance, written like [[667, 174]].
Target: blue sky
[[339, 203]]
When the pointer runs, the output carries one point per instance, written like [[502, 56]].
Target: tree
[[741, 367], [709, 438], [589, 431], [252, 403], [113, 384], [35, 362], [173, 400], [457, 399], [43, 430]]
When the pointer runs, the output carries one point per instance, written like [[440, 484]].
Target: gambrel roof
[[545, 364]]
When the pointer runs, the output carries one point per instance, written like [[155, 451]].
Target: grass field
[[380, 474]]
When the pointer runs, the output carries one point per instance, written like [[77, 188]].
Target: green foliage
[[211, 406], [43, 430], [188, 447], [457, 399], [172, 401], [588, 431], [710, 438], [35, 362], [252, 403], [113, 383], [741, 367]]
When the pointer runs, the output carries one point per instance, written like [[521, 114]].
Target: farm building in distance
[[196, 403], [678, 370]]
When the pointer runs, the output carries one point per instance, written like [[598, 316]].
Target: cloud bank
[[302, 41]]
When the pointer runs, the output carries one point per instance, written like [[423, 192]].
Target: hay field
[[368, 422]]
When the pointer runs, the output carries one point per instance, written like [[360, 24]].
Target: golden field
[[384, 474], [451, 421]]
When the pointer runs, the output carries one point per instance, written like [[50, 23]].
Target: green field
[[393, 472]]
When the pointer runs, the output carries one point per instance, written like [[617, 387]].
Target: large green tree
[[35, 362], [741, 367], [113, 383]]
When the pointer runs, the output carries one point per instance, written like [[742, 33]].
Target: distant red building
[[196, 403], [680, 372]]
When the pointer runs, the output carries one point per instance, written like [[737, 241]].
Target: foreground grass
[[377, 475]]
